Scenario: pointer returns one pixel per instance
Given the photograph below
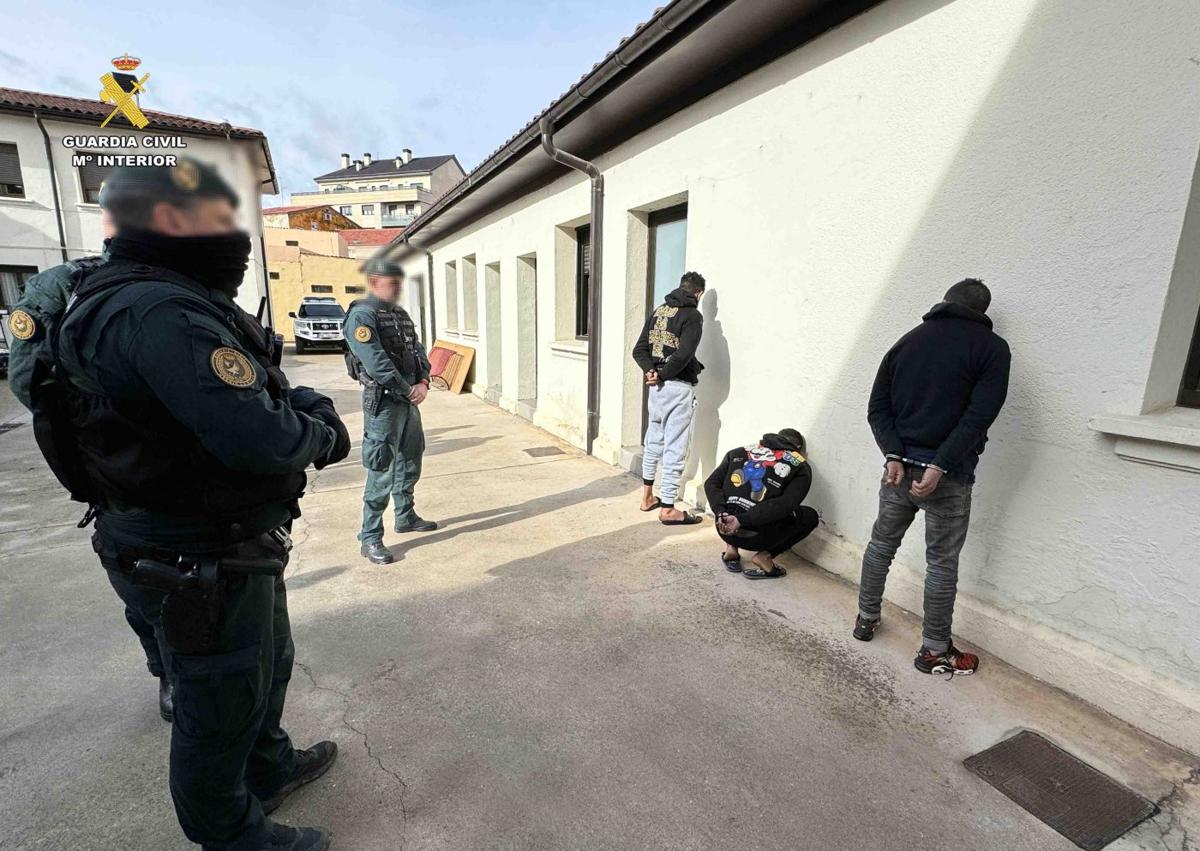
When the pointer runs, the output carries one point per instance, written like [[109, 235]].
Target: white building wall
[[29, 232], [1047, 146]]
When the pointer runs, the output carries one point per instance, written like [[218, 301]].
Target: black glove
[[306, 400], [341, 444]]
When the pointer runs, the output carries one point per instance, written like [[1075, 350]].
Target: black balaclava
[[217, 261]]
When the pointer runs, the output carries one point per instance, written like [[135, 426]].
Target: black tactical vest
[[398, 337], [134, 453]]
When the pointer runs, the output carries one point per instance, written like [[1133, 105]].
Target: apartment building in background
[[384, 192], [48, 206], [831, 168]]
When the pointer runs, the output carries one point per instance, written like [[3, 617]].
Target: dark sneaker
[[376, 553], [864, 630], [166, 699], [284, 838], [416, 524], [310, 764], [952, 662]]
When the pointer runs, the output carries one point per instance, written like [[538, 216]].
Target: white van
[[317, 323]]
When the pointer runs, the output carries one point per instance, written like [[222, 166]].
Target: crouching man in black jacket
[[937, 392], [756, 493]]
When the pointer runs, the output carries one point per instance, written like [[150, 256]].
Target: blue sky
[[320, 78]]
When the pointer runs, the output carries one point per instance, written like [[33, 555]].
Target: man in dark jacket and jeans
[[935, 395], [666, 353], [757, 492]]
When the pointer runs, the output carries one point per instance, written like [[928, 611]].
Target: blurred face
[[107, 226], [203, 217], [385, 287]]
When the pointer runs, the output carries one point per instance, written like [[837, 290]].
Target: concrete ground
[[551, 669]]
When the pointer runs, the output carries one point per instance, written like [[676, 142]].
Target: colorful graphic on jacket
[[760, 461]]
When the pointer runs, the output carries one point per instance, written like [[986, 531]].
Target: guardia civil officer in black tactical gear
[[386, 357], [31, 325], [167, 411]]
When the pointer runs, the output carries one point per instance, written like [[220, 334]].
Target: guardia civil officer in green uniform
[[45, 299], [184, 435], [390, 362]]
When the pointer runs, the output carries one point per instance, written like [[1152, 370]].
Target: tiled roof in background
[[86, 109]]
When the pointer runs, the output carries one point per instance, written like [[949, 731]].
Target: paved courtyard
[[551, 669]]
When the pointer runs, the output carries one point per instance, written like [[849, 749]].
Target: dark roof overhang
[[688, 50]]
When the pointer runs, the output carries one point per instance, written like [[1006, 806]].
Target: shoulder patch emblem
[[362, 333], [232, 367], [22, 325]]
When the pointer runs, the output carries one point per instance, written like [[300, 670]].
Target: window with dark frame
[[91, 176], [368, 209], [1189, 391], [322, 288], [292, 242], [274, 276], [583, 275], [356, 290], [12, 185], [12, 284], [345, 211]]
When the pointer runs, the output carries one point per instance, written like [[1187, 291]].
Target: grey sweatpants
[[671, 406]]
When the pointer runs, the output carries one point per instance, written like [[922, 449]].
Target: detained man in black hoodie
[[756, 492], [935, 395], [666, 353]]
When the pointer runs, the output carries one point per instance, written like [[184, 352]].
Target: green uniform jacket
[[45, 298], [367, 347], [160, 341]]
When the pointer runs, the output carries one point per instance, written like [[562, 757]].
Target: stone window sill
[[570, 348], [1168, 438]]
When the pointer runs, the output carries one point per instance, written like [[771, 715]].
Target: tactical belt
[[168, 570]]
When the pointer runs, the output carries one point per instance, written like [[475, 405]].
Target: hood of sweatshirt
[[947, 310], [679, 297]]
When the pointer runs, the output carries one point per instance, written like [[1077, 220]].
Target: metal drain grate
[[543, 451], [8, 427], [1089, 808]]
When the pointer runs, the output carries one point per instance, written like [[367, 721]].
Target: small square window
[[12, 185], [274, 276], [368, 209], [346, 210]]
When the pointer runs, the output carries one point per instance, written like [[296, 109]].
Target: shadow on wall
[[711, 393], [1049, 529]]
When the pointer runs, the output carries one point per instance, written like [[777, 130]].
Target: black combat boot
[[416, 524], [284, 838], [311, 763], [376, 553], [166, 699]]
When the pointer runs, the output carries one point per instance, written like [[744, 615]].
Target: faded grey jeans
[[947, 515]]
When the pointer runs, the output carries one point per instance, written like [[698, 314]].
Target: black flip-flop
[[689, 519], [758, 573], [657, 504], [733, 565]]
